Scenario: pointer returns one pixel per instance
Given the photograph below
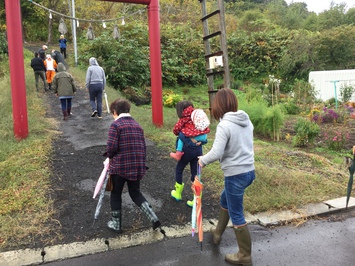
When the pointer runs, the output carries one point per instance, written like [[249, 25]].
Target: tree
[[333, 17], [295, 16], [300, 56], [336, 48]]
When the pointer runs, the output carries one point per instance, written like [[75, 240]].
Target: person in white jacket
[[233, 147]]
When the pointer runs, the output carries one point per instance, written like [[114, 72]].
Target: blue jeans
[[232, 195], [95, 91], [65, 103], [187, 140]]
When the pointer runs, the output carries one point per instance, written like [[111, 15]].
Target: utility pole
[[74, 33]]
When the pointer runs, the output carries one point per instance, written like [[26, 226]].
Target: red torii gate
[[17, 71], [155, 56]]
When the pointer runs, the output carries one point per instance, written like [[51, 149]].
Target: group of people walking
[[126, 150], [45, 64], [232, 147], [52, 70]]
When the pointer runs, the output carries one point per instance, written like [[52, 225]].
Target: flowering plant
[[328, 115], [171, 100], [335, 140]]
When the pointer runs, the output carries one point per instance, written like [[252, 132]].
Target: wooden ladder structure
[[219, 50]]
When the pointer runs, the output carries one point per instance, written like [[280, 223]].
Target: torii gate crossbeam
[[155, 56]]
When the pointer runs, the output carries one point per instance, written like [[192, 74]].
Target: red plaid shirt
[[186, 126], [126, 149]]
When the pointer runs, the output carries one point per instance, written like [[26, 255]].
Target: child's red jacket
[[186, 126]]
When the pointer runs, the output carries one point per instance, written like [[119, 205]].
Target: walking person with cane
[[95, 85]]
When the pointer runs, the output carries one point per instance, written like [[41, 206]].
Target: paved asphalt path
[[323, 242]]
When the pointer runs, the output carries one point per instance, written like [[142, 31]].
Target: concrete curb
[[77, 249], [280, 217]]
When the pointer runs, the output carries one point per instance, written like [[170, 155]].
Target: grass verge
[[24, 177]]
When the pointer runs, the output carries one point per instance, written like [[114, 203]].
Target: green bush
[[306, 132], [126, 61], [346, 93], [182, 56], [3, 43], [291, 108], [267, 121], [139, 96]]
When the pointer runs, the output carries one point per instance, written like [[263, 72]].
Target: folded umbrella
[[350, 182], [197, 188], [107, 106], [99, 203], [101, 186], [101, 178]]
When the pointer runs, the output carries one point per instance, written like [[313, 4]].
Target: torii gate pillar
[[155, 56], [17, 70]]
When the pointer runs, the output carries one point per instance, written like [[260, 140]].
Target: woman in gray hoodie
[[233, 148], [95, 84]]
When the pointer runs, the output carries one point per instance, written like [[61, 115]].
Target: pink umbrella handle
[[101, 178]]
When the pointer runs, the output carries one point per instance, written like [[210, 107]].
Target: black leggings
[[133, 190]]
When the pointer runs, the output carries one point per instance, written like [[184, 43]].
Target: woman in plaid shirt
[[127, 152]]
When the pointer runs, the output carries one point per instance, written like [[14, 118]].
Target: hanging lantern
[[123, 21], [77, 23], [104, 24], [116, 32], [90, 33], [62, 28], [50, 15]]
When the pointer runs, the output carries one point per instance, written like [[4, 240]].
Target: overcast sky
[[321, 5]]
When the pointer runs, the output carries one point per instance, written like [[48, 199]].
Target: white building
[[328, 83]]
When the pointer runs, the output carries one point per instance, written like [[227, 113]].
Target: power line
[[86, 20]]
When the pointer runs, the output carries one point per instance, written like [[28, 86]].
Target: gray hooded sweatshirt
[[95, 74], [233, 144]]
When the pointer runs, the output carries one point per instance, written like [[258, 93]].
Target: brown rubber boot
[[65, 115], [217, 231], [243, 257]]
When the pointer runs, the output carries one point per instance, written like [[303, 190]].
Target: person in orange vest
[[51, 66]]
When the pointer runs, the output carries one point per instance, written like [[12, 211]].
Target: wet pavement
[[316, 242]]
